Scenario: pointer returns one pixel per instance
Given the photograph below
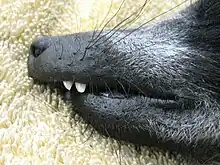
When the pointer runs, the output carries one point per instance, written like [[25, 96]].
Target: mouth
[[75, 92], [102, 90], [119, 90]]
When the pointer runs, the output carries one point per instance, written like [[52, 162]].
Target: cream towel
[[35, 122]]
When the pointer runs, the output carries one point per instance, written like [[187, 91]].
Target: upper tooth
[[68, 84], [80, 87]]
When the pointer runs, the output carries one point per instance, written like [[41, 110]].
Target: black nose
[[39, 46]]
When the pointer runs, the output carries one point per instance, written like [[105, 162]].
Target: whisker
[[150, 21], [134, 86], [95, 30], [90, 84], [98, 38], [123, 88], [90, 135], [103, 22], [108, 88], [79, 43], [78, 20], [87, 47], [86, 129], [132, 31], [138, 12]]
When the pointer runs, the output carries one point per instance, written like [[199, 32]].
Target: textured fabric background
[[35, 124]]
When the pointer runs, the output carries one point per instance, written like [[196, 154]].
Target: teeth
[[80, 87], [68, 84]]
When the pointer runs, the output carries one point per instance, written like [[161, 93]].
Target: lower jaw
[[134, 136], [106, 128], [107, 124]]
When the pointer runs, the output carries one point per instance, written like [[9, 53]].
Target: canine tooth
[[68, 84], [80, 87]]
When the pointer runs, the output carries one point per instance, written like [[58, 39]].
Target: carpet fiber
[[35, 124]]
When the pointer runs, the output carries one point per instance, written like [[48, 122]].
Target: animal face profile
[[155, 85]]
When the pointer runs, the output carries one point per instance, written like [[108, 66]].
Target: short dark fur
[[172, 69]]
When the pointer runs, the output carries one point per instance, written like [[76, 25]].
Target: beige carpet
[[35, 125]]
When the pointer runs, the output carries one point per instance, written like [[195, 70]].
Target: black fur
[[163, 79]]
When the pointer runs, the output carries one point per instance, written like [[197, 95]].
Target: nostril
[[36, 48]]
